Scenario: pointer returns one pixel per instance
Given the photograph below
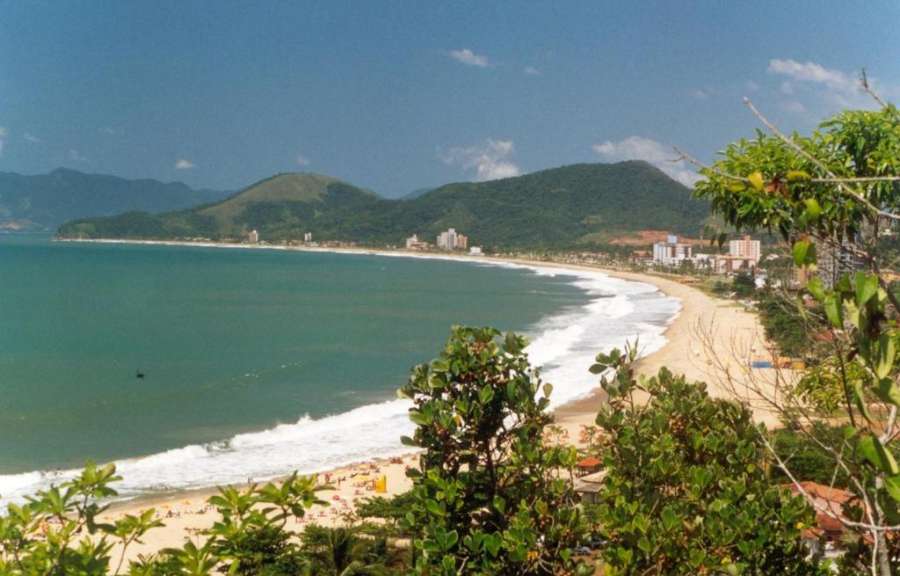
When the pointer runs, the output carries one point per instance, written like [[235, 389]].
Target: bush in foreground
[[685, 491]]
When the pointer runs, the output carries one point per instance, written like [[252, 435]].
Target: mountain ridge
[[564, 206], [37, 202]]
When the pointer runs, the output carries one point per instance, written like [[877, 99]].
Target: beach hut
[[381, 484], [588, 465]]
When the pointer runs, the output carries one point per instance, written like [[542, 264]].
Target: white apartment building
[[746, 249], [671, 252], [452, 240]]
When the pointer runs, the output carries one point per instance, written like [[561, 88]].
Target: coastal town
[[450, 289]]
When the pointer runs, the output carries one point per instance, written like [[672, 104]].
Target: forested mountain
[[44, 201], [552, 208]]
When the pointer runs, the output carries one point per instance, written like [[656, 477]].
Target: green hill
[[44, 201], [560, 207]]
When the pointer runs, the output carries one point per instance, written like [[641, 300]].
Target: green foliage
[[250, 537], [391, 511], [806, 459], [559, 208], [685, 490], [57, 532], [765, 183], [785, 325], [341, 551], [783, 196], [743, 284], [489, 498]]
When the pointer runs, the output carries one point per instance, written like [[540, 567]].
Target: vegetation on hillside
[[558, 208]]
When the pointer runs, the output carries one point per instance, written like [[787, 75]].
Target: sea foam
[[562, 345]]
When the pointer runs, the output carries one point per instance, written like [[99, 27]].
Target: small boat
[[139, 375]]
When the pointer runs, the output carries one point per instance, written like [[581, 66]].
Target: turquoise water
[[229, 341]]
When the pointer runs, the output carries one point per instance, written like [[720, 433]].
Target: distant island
[[564, 207]]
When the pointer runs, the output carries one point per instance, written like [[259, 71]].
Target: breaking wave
[[563, 345]]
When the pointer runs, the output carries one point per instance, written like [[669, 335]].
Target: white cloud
[[836, 88], [751, 85], [489, 161], [656, 153], [812, 72], [108, 130], [75, 156], [470, 58], [183, 164], [701, 94], [302, 160], [3, 133], [31, 138], [531, 71]]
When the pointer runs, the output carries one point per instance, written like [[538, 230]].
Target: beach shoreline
[[186, 513]]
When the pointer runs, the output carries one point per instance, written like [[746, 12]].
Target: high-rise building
[[671, 252], [450, 239], [253, 237], [745, 248], [447, 240]]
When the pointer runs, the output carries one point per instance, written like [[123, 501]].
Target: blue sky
[[396, 96]]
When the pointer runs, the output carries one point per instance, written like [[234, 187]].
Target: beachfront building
[[475, 251], [671, 252], [307, 237], [746, 249], [834, 260], [413, 243], [728, 264], [253, 237], [450, 239]]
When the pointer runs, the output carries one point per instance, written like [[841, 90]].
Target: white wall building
[[452, 240], [413, 243], [671, 252], [447, 240]]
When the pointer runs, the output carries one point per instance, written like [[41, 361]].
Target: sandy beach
[[708, 339]]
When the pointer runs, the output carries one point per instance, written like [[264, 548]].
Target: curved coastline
[[578, 407], [184, 510]]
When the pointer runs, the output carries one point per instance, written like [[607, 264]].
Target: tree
[[831, 195], [743, 284], [56, 532], [491, 497], [685, 490], [340, 551]]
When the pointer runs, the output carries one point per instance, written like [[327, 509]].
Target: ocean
[[196, 366]]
